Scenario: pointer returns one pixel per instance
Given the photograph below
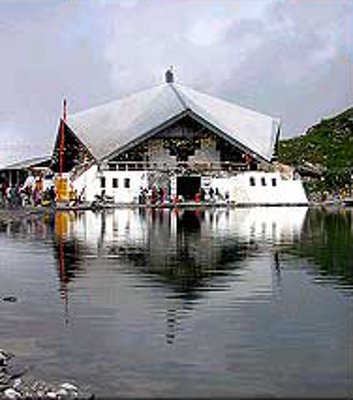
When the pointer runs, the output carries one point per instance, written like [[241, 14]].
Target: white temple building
[[173, 142]]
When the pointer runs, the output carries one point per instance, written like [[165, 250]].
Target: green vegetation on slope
[[326, 148]]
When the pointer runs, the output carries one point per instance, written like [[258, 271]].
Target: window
[[112, 167], [102, 182], [263, 181], [252, 181], [115, 183], [274, 182], [127, 182]]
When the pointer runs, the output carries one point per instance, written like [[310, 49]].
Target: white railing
[[164, 166]]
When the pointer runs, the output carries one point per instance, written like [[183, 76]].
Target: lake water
[[188, 303]]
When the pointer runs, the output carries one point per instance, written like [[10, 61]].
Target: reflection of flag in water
[[63, 279], [171, 325], [61, 230], [61, 224]]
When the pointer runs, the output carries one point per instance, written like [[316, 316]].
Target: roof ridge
[[178, 96]]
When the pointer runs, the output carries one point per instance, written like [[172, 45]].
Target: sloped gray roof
[[108, 127], [28, 163]]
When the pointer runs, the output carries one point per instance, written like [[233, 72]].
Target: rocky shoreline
[[16, 383]]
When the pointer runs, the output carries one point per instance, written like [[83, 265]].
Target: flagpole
[[62, 129]]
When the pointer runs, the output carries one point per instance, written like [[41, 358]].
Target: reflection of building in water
[[184, 243], [138, 227], [271, 224], [189, 252], [167, 244]]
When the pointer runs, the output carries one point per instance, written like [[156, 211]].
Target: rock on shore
[[17, 384]]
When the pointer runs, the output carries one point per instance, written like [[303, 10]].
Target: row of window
[[115, 183], [126, 167], [263, 181]]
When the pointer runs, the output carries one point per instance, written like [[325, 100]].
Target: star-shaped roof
[[107, 128]]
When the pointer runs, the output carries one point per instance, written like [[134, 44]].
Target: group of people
[[154, 195], [160, 195], [30, 192], [212, 195]]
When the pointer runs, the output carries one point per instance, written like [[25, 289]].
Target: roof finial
[[169, 76]]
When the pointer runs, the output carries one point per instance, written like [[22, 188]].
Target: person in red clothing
[[154, 195]]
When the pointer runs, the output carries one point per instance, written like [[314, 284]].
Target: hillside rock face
[[324, 154]]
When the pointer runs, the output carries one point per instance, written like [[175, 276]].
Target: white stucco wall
[[239, 188], [285, 192], [91, 180], [223, 185], [123, 194], [241, 192]]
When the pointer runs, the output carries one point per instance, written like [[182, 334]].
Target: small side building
[[16, 173]]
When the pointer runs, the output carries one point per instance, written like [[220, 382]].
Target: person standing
[[52, 195], [211, 193]]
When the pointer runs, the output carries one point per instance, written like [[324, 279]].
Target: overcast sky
[[288, 58]]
